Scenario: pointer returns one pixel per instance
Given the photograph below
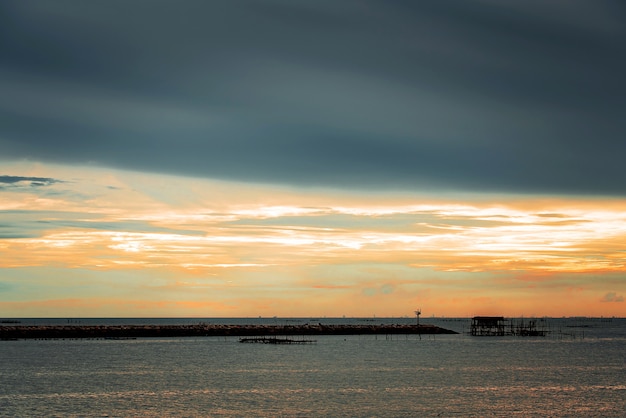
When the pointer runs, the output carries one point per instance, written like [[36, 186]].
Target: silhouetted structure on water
[[498, 326], [275, 340]]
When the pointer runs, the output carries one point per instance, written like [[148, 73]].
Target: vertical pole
[[418, 312]]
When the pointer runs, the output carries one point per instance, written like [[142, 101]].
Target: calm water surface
[[452, 375]]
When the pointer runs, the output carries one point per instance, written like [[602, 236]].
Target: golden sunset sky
[[307, 159], [118, 243]]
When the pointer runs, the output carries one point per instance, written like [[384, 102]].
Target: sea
[[577, 370]]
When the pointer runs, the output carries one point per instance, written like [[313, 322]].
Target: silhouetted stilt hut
[[489, 326]]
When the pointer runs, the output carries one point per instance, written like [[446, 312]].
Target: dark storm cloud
[[524, 96]]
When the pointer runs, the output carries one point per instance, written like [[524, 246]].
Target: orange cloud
[[330, 253]]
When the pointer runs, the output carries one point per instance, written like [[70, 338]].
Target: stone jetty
[[12, 332]]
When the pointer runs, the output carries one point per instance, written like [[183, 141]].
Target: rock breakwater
[[202, 330]]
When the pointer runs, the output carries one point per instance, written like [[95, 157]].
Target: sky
[[312, 158]]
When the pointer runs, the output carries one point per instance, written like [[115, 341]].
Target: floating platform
[[274, 340], [206, 330]]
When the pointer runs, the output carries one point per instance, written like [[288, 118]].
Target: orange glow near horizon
[[205, 248]]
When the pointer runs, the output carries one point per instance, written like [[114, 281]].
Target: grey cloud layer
[[33, 224], [522, 96], [20, 181]]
